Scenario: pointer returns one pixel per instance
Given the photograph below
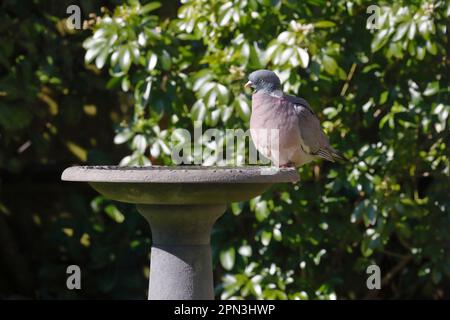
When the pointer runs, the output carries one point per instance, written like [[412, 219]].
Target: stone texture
[[181, 273], [179, 185], [181, 205], [180, 174], [181, 255], [181, 224]]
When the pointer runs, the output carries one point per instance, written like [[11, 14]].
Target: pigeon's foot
[[290, 164]]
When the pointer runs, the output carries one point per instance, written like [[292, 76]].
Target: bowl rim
[[180, 174]]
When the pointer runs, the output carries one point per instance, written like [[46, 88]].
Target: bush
[[382, 96]]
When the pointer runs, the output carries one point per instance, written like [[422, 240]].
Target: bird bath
[[181, 205]]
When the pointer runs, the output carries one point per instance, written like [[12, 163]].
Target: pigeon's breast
[[271, 112], [274, 115]]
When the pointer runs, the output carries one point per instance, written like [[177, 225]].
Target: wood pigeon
[[283, 127]]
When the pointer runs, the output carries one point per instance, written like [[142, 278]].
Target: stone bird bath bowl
[[181, 205]]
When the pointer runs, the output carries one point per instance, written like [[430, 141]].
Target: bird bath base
[[181, 205]]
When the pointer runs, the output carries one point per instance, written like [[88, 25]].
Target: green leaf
[[432, 88], [266, 236], [271, 50], [91, 43], [431, 47], [236, 208], [401, 31], [198, 111], [365, 248], [286, 56], [369, 215], [324, 24], [225, 17], [201, 78], [277, 235], [97, 203], [213, 117], [155, 150], [227, 112], [330, 65], [223, 93], [123, 136], [124, 58], [114, 213], [304, 57], [420, 53], [412, 30], [166, 62], [242, 107], [114, 58], [91, 54], [318, 256], [245, 251], [149, 7], [152, 62], [380, 40], [125, 84], [261, 210], [383, 97], [227, 258], [140, 143]]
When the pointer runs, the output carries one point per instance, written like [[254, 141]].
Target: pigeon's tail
[[332, 155], [339, 156]]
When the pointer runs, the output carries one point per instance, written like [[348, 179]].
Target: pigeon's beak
[[248, 84]]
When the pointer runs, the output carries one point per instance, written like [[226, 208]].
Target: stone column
[[180, 263]]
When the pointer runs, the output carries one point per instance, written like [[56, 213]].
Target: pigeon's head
[[264, 80]]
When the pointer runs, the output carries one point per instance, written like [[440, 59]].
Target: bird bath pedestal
[[181, 205]]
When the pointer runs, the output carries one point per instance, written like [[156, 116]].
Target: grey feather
[[298, 101], [310, 130], [314, 139], [325, 154]]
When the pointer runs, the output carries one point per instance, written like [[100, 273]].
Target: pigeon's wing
[[297, 101], [314, 140]]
